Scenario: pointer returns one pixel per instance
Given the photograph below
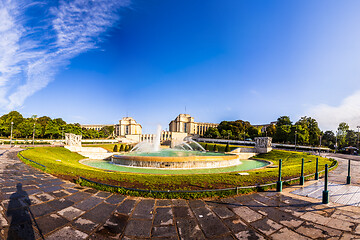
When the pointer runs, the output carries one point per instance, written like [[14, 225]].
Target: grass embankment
[[221, 147], [108, 147], [63, 163]]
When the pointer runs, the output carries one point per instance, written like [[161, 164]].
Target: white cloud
[[329, 117], [30, 57]]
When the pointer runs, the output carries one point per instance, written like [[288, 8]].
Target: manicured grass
[[108, 147], [221, 147], [68, 167]]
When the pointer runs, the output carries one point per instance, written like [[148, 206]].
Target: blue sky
[[98, 61]]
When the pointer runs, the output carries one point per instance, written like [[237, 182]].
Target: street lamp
[[358, 138], [12, 123], [34, 134], [320, 146], [336, 141], [295, 139]]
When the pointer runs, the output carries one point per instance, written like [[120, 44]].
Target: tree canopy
[[45, 127]]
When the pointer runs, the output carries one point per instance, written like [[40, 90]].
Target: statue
[[72, 140], [263, 144]]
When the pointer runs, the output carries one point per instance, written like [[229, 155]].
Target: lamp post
[[295, 139], [34, 134], [12, 123], [336, 141], [320, 146], [358, 139]]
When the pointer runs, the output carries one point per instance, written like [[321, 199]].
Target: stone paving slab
[[338, 193], [35, 204]]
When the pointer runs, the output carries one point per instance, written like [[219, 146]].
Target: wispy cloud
[[33, 49], [329, 117]]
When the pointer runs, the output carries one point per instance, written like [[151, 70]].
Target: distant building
[[127, 126], [184, 123], [96, 127], [264, 126]]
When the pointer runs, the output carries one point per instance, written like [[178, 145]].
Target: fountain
[[186, 156]]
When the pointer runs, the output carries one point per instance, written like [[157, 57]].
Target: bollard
[[279, 182], [348, 179], [325, 199], [237, 191], [302, 172], [317, 169]]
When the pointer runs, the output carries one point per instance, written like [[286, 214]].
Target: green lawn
[[108, 147], [221, 147], [61, 162]]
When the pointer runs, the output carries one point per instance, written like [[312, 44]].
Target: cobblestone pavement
[[340, 173], [339, 191], [35, 205]]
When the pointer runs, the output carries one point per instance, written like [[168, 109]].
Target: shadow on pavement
[[22, 220]]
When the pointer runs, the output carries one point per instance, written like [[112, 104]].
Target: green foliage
[[212, 133], [206, 147], [45, 127], [107, 131], [220, 147], [341, 135], [329, 139], [115, 148], [227, 148], [215, 148], [127, 148], [122, 148]]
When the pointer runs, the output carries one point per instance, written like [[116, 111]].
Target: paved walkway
[[339, 192], [35, 205]]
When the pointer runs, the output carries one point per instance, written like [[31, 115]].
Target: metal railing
[[27, 159]]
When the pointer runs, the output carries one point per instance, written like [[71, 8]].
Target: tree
[[329, 139], [227, 148], [15, 117], [351, 138], [253, 132], [122, 149], [43, 121], [212, 133], [115, 148], [302, 135], [270, 130], [107, 131], [206, 147], [215, 148], [283, 129], [342, 131]]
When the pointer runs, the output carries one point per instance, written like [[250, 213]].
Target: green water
[[245, 165], [174, 153]]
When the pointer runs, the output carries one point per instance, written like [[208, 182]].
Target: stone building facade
[[128, 126], [96, 127], [184, 123]]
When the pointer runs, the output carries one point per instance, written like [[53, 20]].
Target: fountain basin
[[176, 159]]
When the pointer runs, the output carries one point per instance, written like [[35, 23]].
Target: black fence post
[[279, 182], [317, 169], [325, 199], [302, 172], [348, 179]]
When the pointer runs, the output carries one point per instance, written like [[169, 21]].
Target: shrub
[[122, 148], [115, 148], [227, 148], [215, 149], [206, 147]]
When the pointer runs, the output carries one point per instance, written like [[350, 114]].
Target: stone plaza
[[36, 205]]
